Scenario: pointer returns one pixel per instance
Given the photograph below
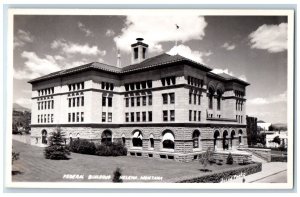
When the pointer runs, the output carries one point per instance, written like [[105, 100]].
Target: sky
[[252, 48]]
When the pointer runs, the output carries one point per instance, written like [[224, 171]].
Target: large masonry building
[[162, 107]]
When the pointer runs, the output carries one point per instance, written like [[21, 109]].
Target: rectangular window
[[126, 117], [52, 118], [150, 116], [109, 117], [82, 101], [126, 87], [78, 101], [49, 104], [218, 103], [190, 115], [132, 116], [45, 104], [42, 105], [82, 116], [69, 117], [241, 119], [195, 99], [135, 50], [103, 116], [77, 117], [103, 101], [172, 98], [70, 102], [70, 87], [189, 80], [38, 118], [82, 85], [42, 118], [149, 84], [138, 118], [144, 98], [52, 104], [241, 106], [195, 115], [163, 81], [172, 115], [150, 100], [138, 101], [132, 101], [210, 102], [102, 85], [48, 119], [199, 116], [38, 106], [144, 116], [165, 98], [74, 101], [127, 102], [190, 98], [111, 86], [199, 99], [165, 115], [173, 79], [109, 101], [143, 84]]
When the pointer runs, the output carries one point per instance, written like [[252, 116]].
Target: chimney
[[139, 51]]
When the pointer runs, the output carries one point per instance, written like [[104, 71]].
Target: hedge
[[217, 177], [83, 146], [278, 158]]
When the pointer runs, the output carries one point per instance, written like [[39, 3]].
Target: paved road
[[280, 177]]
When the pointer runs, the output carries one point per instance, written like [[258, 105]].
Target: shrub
[[206, 158], [229, 159], [83, 146], [278, 158], [56, 149], [117, 176], [111, 149], [14, 157]]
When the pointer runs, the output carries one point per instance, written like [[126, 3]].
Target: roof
[[153, 62]]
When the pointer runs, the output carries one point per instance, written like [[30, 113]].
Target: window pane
[[165, 98]]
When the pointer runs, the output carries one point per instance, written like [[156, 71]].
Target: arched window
[[168, 140], [232, 135], [216, 135], [106, 137], [44, 137], [225, 140], [123, 139], [240, 137], [151, 142], [196, 139], [210, 98], [137, 139]]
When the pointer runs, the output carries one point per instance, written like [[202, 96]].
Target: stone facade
[[167, 99]]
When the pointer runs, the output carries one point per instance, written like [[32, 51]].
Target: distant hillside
[[280, 126], [18, 107]]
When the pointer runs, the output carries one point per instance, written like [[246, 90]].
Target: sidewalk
[[268, 169]]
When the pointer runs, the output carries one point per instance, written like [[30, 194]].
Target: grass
[[33, 167]]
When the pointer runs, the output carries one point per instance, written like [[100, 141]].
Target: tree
[[229, 159], [271, 128], [277, 140], [117, 176], [206, 158], [262, 138], [57, 149]]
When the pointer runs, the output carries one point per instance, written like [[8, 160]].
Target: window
[[42, 118], [137, 139], [111, 86], [102, 85], [199, 99], [150, 100], [138, 101], [82, 85], [190, 115], [49, 104], [38, 106], [135, 50], [82, 101], [210, 102], [103, 116], [165, 115], [144, 100], [77, 117], [190, 98], [103, 101], [127, 87], [52, 104], [151, 142], [48, 118], [107, 85], [241, 119], [70, 87], [78, 101], [173, 79], [51, 118], [69, 117], [74, 102], [195, 99], [138, 117], [218, 103], [144, 53], [144, 116], [73, 117], [132, 101], [150, 116], [199, 116], [109, 101], [82, 116], [131, 86], [109, 117], [45, 104], [70, 102], [132, 116], [172, 98], [38, 119], [196, 135], [168, 80], [144, 84], [195, 115], [163, 81], [149, 84], [172, 115], [127, 102], [165, 98], [42, 105], [126, 117], [168, 140]]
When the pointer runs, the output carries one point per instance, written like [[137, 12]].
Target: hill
[[18, 107]]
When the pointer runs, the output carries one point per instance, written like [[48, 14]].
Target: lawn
[[33, 167]]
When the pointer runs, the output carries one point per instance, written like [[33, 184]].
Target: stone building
[[162, 107]]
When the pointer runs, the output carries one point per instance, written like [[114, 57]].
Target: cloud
[[110, 33], [273, 99], [219, 71], [22, 37], [35, 66], [270, 37], [75, 48], [187, 52], [82, 27], [158, 29], [228, 47], [25, 102]]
